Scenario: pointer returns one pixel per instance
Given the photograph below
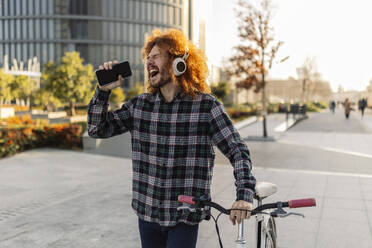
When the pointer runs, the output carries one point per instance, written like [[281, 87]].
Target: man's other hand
[[238, 215], [108, 66]]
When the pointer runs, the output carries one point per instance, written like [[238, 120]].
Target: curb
[[284, 126], [245, 122]]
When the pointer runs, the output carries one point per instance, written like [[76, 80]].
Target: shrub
[[20, 133], [13, 140]]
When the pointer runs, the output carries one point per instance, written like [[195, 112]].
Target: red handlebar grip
[[186, 199], [310, 202]]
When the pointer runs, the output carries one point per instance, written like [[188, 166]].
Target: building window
[[37, 7], [24, 53], [149, 16], [44, 7], [24, 7], [137, 10], [12, 33], [31, 29], [1, 54], [18, 52], [111, 7], [118, 8], [6, 49], [50, 7], [37, 29], [165, 14], [51, 52], [24, 29], [143, 11], [105, 53], [119, 34], [44, 28], [18, 30], [29, 7], [12, 51], [17, 4], [50, 29], [125, 31], [130, 9]]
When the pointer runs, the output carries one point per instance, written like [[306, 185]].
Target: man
[[173, 128], [347, 106]]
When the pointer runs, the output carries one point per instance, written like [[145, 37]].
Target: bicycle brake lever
[[282, 215], [186, 208], [191, 209]]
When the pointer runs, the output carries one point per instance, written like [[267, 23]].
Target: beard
[[164, 77]]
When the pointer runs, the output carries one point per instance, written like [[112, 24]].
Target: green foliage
[[70, 82], [117, 96], [321, 105], [45, 98], [134, 91], [21, 87], [315, 106], [240, 112], [5, 89], [220, 90]]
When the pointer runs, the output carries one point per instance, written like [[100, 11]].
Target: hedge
[[22, 133]]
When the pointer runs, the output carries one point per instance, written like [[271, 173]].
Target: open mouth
[[153, 72]]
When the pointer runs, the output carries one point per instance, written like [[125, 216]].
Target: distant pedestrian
[[332, 106], [363, 105], [347, 106]]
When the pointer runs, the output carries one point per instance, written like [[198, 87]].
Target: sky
[[336, 33]]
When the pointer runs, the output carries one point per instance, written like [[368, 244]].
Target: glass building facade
[[101, 30]]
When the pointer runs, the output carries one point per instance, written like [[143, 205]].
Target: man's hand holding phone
[[111, 74]]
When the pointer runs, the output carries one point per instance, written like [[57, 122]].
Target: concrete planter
[[6, 112]]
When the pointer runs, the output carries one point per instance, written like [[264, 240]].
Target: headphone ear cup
[[179, 66]]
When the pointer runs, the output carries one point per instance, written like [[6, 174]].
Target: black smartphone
[[109, 76]]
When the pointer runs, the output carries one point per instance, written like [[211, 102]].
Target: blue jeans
[[179, 236]]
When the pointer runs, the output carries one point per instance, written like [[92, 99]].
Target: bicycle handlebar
[[299, 203]]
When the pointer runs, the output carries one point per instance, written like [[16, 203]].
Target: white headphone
[[179, 64]]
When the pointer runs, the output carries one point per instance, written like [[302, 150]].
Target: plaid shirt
[[172, 151]]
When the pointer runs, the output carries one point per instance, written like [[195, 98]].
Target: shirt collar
[[180, 95]]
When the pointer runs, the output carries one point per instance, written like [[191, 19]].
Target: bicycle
[[266, 236]]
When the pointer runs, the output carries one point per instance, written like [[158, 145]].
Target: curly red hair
[[174, 41]]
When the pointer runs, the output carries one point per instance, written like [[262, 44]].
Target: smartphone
[[109, 76]]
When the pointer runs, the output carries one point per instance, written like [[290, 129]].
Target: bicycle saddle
[[264, 189]]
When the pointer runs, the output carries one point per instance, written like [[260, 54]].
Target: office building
[[101, 30]]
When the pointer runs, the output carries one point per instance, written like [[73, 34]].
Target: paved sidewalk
[[54, 198]]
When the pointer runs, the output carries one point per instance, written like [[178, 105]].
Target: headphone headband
[[186, 55]]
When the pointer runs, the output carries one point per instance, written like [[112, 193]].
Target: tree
[[5, 90], [309, 75], [134, 91], [117, 96], [220, 90], [46, 99], [254, 56], [22, 88], [70, 82]]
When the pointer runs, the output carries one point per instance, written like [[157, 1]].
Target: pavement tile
[[346, 215], [340, 203], [368, 206], [296, 239], [338, 191], [330, 232]]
